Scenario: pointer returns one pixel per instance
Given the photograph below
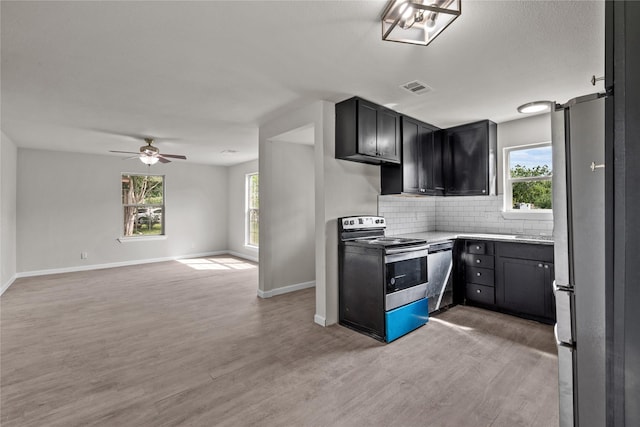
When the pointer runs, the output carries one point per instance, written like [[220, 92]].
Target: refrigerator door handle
[[560, 343], [564, 309]]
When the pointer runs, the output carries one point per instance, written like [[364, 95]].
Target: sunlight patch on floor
[[450, 325], [202, 264], [234, 263], [216, 264]]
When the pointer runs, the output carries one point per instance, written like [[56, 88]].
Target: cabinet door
[[411, 158], [367, 128], [436, 183], [521, 286], [388, 137], [467, 150]]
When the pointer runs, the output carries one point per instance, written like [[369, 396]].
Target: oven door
[[405, 277]]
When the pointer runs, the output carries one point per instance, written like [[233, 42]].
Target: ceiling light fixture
[[149, 160], [418, 21], [535, 107]]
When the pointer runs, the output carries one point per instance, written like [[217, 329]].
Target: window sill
[[528, 215], [141, 239], [251, 247]]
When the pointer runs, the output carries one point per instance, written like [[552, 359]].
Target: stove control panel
[[362, 222]]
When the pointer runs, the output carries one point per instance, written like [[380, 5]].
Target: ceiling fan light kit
[[150, 154], [418, 21], [148, 160]]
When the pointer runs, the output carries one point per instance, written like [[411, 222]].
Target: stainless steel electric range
[[382, 280]]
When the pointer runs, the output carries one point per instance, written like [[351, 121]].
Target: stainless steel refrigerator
[[578, 135]]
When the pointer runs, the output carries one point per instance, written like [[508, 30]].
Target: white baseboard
[[114, 264], [5, 286], [320, 320], [245, 256], [286, 289]]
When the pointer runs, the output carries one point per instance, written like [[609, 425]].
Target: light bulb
[[431, 20]]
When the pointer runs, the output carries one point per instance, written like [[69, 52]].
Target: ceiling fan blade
[[132, 157], [163, 160], [123, 152], [175, 156], [132, 135]]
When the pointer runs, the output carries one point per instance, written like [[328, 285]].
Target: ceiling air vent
[[416, 87]]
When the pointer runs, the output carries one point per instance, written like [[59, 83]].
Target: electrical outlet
[[84, 255]]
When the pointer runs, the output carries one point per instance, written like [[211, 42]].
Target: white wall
[[70, 203], [291, 231], [341, 188], [528, 130], [8, 177], [236, 216]]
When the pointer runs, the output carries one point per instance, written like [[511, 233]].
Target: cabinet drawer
[[480, 276], [476, 248], [484, 261], [480, 293]]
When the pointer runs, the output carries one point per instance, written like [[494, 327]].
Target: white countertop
[[439, 236]]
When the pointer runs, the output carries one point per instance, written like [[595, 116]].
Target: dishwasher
[[440, 284]]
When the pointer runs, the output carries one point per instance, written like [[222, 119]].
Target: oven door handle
[[407, 249], [405, 255]]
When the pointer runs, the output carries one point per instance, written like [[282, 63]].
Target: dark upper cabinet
[[421, 169], [470, 159], [367, 132]]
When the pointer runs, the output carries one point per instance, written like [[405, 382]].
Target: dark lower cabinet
[[478, 272], [525, 287], [515, 278], [524, 280]]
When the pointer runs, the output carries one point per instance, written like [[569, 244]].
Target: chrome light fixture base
[[418, 21]]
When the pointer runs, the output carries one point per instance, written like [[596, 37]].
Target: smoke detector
[[416, 87]]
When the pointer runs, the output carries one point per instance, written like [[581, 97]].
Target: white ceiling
[[202, 76]]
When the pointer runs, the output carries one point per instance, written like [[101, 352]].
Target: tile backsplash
[[481, 214], [406, 214]]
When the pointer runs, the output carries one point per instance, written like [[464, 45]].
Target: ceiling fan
[[150, 155]]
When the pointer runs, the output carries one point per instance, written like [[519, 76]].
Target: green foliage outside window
[[537, 194], [143, 204]]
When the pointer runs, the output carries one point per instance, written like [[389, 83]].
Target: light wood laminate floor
[[190, 343]]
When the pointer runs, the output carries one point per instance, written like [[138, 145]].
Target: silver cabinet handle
[[478, 248], [478, 291], [594, 166], [477, 261], [540, 265], [478, 274], [546, 266]]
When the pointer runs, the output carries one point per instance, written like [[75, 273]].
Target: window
[[253, 211], [528, 172], [143, 205]]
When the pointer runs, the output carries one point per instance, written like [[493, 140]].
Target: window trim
[[152, 206], [247, 209], [507, 210]]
